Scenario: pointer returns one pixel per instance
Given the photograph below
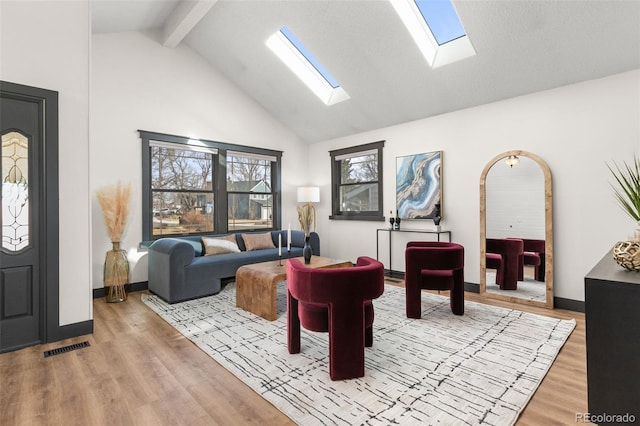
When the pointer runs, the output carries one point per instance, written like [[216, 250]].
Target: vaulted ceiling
[[522, 47]]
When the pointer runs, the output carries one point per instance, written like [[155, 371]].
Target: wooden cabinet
[[612, 313]]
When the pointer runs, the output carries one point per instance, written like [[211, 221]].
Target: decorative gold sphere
[[627, 255]]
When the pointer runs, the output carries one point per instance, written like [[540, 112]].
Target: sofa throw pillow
[[231, 237], [220, 245], [258, 241]]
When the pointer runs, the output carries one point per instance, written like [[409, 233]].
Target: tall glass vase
[[116, 274], [306, 251]]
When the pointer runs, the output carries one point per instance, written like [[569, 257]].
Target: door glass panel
[[15, 191]]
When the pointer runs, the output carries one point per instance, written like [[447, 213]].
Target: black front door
[[22, 279]]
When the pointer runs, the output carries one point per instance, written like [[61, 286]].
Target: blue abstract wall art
[[419, 185]]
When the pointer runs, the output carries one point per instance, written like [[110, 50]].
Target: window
[[15, 214], [356, 182], [194, 187], [181, 189], [250, 197]]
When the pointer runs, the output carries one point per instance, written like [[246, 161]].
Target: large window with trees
[[193, 187], [356, 182]]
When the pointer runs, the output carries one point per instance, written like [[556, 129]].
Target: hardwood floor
[[140, 371]]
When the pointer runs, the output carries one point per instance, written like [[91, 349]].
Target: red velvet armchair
[[337, 300], [511, 252], [433, 265], [533, 256], [494, 261]]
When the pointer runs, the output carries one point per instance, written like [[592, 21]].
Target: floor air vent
[[66, 349]]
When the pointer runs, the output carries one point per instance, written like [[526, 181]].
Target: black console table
[[393, 231], [612, 315]]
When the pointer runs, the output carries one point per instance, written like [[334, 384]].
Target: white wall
[[139, 84], [575, 129], [53, 53]]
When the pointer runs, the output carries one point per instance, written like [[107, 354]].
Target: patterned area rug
[[480, 368], [529, 289]]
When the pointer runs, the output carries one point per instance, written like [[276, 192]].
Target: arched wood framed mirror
[[516, 229]]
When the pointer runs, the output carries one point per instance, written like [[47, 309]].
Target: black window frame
[[336, 213], [219, 187]]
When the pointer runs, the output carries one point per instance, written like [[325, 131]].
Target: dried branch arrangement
[[307, 217], [114, 201]]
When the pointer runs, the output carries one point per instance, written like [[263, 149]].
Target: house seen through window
[[250, 197]]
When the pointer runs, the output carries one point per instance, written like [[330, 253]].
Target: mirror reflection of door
[[516, 224]]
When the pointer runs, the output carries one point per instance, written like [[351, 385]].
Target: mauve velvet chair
[[337, 300], [433, 265], [511, 251]]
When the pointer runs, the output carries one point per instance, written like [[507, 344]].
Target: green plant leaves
[[628, 192]]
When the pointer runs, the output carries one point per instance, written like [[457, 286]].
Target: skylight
[[436, 29], [442, 19], [298, 58], [309, 57]]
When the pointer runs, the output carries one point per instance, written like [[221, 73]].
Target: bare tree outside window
[[181, 186], [360, 169]]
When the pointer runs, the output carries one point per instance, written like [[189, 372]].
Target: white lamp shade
[[308, 194]]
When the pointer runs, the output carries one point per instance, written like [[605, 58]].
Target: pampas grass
[[114, 201], [307, 217]]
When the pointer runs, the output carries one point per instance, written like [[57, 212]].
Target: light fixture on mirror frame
[[512, 160]]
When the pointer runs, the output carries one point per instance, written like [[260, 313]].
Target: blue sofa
[[179, 270]]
